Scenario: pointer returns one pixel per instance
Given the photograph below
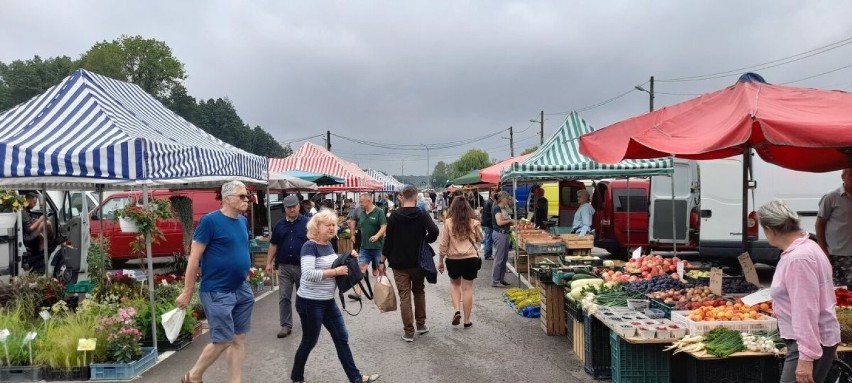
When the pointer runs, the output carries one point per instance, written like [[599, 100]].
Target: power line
[[598, 104], [299, 139], [765, 65], [817, 75]]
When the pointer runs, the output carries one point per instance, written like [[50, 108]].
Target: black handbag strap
[[368, 293]]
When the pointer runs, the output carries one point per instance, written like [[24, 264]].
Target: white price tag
[[757, 297], [45, 315], [30, 337], [680, 269], [637, 253], [4, 333]]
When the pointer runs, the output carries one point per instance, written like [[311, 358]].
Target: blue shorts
[[365, 256], [228, 312]]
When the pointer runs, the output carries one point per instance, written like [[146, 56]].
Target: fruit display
[[657, 283], [688, 299], [698, 274], [729, 312], [843, 298], [649, 266], [733, 286], [618, 276]]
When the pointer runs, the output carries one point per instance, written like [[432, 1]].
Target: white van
[[719, 192]]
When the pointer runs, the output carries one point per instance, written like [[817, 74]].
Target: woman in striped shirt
[[315, 299]]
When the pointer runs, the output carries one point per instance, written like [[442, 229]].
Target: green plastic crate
[[82, 287], [257, 246], [638, 363]]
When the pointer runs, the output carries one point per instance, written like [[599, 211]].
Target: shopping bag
[[383, 294], [172, 322]]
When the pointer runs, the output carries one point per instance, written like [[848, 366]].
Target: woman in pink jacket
[[802, 296], [459, 245]]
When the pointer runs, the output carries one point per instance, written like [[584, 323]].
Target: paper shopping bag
[[383, 294], [172, 321]]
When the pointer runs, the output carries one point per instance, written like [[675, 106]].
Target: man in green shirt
[[371, 224]]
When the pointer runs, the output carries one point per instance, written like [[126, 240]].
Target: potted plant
[[17, 353], [256, 279], [58, 347], [10, 203], [99, 260], [183, 210], [135, 218]]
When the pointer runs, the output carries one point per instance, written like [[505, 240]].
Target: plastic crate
[[559, 230], [545, 248], [125, 371], [597, 361], [732, 370], [66, 374], [573, 309], [768, 324], [581, 260], [638, 363], [20, 374], [82, 287], [569, 327], [659, 305], [258, 246]]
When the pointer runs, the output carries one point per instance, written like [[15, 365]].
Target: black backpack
[[347, 282]]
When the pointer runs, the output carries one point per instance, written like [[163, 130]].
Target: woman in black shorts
[[459, 245]]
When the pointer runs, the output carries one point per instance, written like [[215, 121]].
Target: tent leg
[[629, 214], [150, 273], [674, 217], [43, 204], [746, 166], [518, 240]]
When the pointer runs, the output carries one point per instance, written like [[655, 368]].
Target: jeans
[[411, 282], [288, 275], [314, 315], [487, 242], [228, 312], [501, 255]]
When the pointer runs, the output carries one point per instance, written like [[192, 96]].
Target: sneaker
[[504, 283], [285, 331], [354, 297], [422, 329], [498, 285], [408, 338], [489, 258]]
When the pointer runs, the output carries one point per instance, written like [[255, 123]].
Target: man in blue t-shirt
[[220, 247], [285, 247]]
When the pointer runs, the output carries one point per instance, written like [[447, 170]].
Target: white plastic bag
[[172, 321]]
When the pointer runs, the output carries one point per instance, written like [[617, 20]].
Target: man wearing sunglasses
[[221, 247]]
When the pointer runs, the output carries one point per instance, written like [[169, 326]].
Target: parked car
[[202, 202]]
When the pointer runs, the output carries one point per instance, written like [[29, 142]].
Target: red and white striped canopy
[[316, 159]]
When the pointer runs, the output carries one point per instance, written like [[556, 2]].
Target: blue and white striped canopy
[[94, 129], [389, 183]]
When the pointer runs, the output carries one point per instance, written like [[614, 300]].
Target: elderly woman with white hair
[[583, 217], [802, 295]]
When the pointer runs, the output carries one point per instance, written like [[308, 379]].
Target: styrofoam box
[[700, 328]]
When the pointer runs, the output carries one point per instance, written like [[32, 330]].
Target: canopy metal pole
[[746, 166], [85, 236], [674, 215], [150, 272], [629, 213], [43, 203], [269, 212], [515, 216]]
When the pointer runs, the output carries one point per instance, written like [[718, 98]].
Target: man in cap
[[285, 247], [35, 226]]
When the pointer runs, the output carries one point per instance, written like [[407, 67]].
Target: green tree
[[441, 173], [529, 150], [473, 159], [22, 80], [148, 63]]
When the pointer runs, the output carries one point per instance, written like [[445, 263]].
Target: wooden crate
[[576, 241], [258, 260], [521, 263], [552, 309], [580, 252], [344, 245]]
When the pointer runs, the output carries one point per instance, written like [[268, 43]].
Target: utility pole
[[402, 171], [328, 140], [541, 133], [651, 93], [511, 143]]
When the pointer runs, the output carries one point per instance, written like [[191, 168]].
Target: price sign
[[44, 314], [757, 298], [637, 253], [716, 281], [4, 333], [748, 269], [680, 269], [87, 344], [30, 337]]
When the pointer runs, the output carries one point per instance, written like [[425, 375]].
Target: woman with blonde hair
[[315, 299], [459, 245]]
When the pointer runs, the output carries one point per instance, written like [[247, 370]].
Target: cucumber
[[579, 276]]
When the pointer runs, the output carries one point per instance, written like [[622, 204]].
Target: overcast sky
[[433, 72]]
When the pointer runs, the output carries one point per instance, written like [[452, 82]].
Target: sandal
[[186, 379], [370, 378], [468, 324], [456, 318]]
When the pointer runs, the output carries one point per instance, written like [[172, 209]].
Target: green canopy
[[560, 158], [468, 179]]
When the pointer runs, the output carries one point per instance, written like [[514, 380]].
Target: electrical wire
[[817, 75], [765, 65], [443, 145]]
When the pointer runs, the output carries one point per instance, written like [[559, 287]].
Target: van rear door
[[568, 201], [666, 209]]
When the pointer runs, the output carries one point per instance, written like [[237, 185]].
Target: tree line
[[472, 159], [150, 64]]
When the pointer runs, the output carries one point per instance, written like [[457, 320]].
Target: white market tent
[[389, 183], [93, 132]]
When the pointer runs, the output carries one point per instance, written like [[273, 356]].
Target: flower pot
[[66, 374], [128, 226], [7, 220], [20, 374]]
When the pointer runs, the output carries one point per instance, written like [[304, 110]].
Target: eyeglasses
[[244, 197]]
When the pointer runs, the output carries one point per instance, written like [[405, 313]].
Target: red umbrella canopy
[[797, 128], [491, 174]]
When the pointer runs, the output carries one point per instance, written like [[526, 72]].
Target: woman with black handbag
[[458, 244]]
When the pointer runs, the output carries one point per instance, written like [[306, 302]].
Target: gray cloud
[[429, 72]]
